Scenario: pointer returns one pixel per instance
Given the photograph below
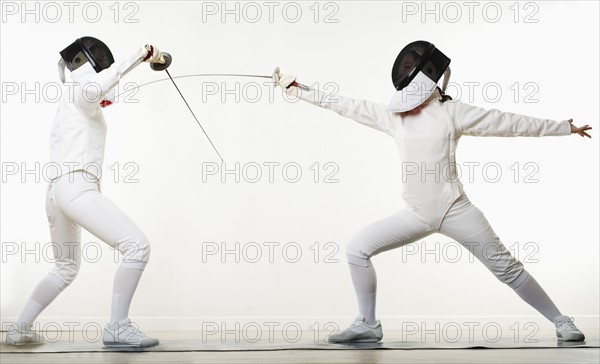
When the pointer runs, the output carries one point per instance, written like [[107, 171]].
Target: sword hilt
[[162, 66]]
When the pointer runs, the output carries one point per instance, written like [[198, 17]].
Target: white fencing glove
[[150, 53], [288, 83]]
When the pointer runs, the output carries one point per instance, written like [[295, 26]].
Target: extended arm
[[365, 112], [472, 120]]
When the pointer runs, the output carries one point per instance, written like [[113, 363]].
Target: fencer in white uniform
[[426, 126], [73, 197]]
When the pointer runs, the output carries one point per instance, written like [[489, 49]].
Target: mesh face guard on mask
[[415, 75], [419, 56], [87, 49]]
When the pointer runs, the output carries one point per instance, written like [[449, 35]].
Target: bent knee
[[358, 251], [361, 244], [64, 273], [361, 261], [136, 251]]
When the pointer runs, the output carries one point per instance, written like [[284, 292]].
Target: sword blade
[[194, 115]]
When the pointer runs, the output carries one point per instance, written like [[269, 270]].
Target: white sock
[[43, 294], [126, 281], [365, 286], [531, 292]]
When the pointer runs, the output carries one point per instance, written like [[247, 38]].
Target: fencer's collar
[[435, 97], [83, 73], [419, 90]]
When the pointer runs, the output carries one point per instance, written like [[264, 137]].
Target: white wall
[[554, 60]]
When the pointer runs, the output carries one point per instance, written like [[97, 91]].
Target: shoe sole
[[575, 337], [22, 344], [122, 346], [364, 337], [571, 340], [370, 341]]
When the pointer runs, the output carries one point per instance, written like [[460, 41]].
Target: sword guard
[[162, 66]]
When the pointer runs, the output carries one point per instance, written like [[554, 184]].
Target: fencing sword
[[275, 76], [163, 67]]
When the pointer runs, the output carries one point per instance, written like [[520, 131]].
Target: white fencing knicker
[[74, 201], [463, 222]]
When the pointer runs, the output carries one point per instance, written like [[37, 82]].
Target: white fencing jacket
[[78, 134], [427, 138]]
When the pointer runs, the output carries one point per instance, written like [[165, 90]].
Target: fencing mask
[[85, 50], [415, 75]]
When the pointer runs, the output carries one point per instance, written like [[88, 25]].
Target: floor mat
[[215, 345]]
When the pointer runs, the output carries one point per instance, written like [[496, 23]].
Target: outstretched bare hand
[[580, 131]]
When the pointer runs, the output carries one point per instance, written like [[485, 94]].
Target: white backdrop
[[535, 58]]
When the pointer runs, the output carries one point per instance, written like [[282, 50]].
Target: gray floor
[[546, 356], [180, 347]]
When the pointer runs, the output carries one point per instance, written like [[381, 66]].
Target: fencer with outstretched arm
[[426, 125], [73, 198]]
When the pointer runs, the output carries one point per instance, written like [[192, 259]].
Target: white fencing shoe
[[124, 334], [358, 332], [15, 336], [566, 329]]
